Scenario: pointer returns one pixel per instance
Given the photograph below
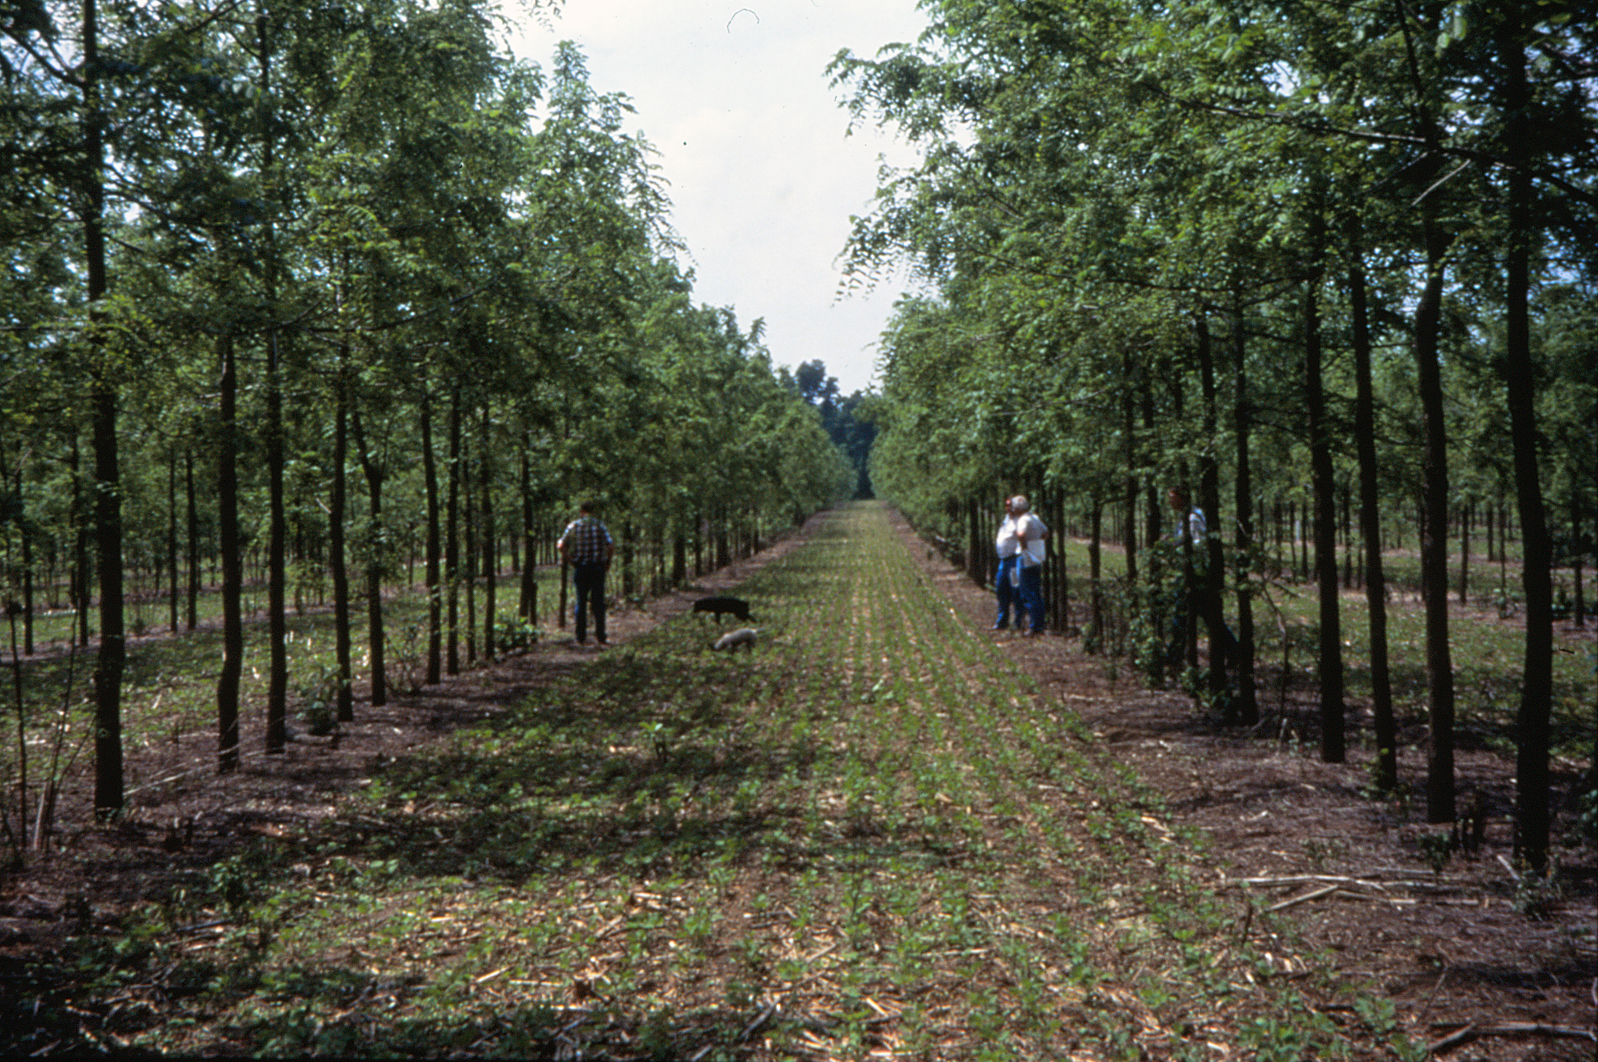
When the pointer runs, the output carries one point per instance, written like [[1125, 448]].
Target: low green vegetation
[[872, 833]]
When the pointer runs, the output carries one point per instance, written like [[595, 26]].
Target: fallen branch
[[1476, 1032], [1306, 898]]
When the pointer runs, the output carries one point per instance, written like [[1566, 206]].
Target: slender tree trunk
[[469, 550], [277, 541], [192, 619], [435, 591], [528, 608], [490, 543], [338, 519], [81, 520], [171, 542], [1333, 733], [1210, 499], [1095, 641], [376, 554], [1578, 551], [277, 619], [1248, 708], [1536, 698], [1132, 457], [1383, 721], [1440, 785], [112, 658], [452, 542], [227, 495]]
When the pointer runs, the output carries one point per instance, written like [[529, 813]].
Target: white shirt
[[1195, 526], [1022, 534]]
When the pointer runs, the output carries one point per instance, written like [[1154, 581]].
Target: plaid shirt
[[585, 541]]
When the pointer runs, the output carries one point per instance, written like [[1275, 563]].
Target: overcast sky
[[762, 178]]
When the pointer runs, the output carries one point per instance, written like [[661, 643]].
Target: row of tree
[[1245, 247], [303, 274]]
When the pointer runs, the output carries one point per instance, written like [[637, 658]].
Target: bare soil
[[1454, 949]]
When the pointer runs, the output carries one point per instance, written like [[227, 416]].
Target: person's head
[[1177, 497], [586, 507], [1019, 503]]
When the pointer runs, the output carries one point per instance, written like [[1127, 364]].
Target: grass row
[[871, 837]]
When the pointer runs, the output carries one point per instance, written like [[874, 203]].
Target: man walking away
[[587, 546]]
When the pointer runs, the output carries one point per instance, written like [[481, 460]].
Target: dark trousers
[[588, 580]]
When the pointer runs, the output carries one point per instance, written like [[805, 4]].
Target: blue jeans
[[588, 580], [1007, 594], [1031, 595], [1027, 597]]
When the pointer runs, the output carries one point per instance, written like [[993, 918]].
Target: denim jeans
[[1030, 595], [588, 580], [1007, 594], [1026, 597]]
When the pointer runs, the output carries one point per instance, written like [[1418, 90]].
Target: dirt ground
[[1466, 969]]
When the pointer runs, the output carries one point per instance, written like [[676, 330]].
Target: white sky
[[762, 178]]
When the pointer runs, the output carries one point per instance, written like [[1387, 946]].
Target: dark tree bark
[[277, 534], [528, 608], [1248, 708], [1210, 500], [1095, 641], [490, 543], [1333, 733], [338, 518], [112, 658], [1383, 721], [452, 542], [375, 555], [277, 617], [227, 496], [81, 538], [1440, 785], [171, 542], [1536, 697], [435, 590], [192, 619]]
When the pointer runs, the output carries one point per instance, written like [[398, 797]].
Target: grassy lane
[[868, 838]]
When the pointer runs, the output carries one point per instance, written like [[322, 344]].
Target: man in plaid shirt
[[586, 545]]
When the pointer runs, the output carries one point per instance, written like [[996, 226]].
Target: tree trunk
[[1248, 708], [528, 607], [490, 543], [375, 552], [227, 496], [1095, 641], [277, 541], [171, 542], [1210, 500], [112, 658], [435, 591], [192, 618], [277, 619], [1333, 736], [1440, 792], [1383, 721], [452, 542], [338, 518], [1536, 699]]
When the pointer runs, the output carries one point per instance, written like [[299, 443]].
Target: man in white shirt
[[1006, 546], [1021, 553]]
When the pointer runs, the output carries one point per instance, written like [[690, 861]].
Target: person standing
[[1030, 533], [587, 546], [1006, 546]]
